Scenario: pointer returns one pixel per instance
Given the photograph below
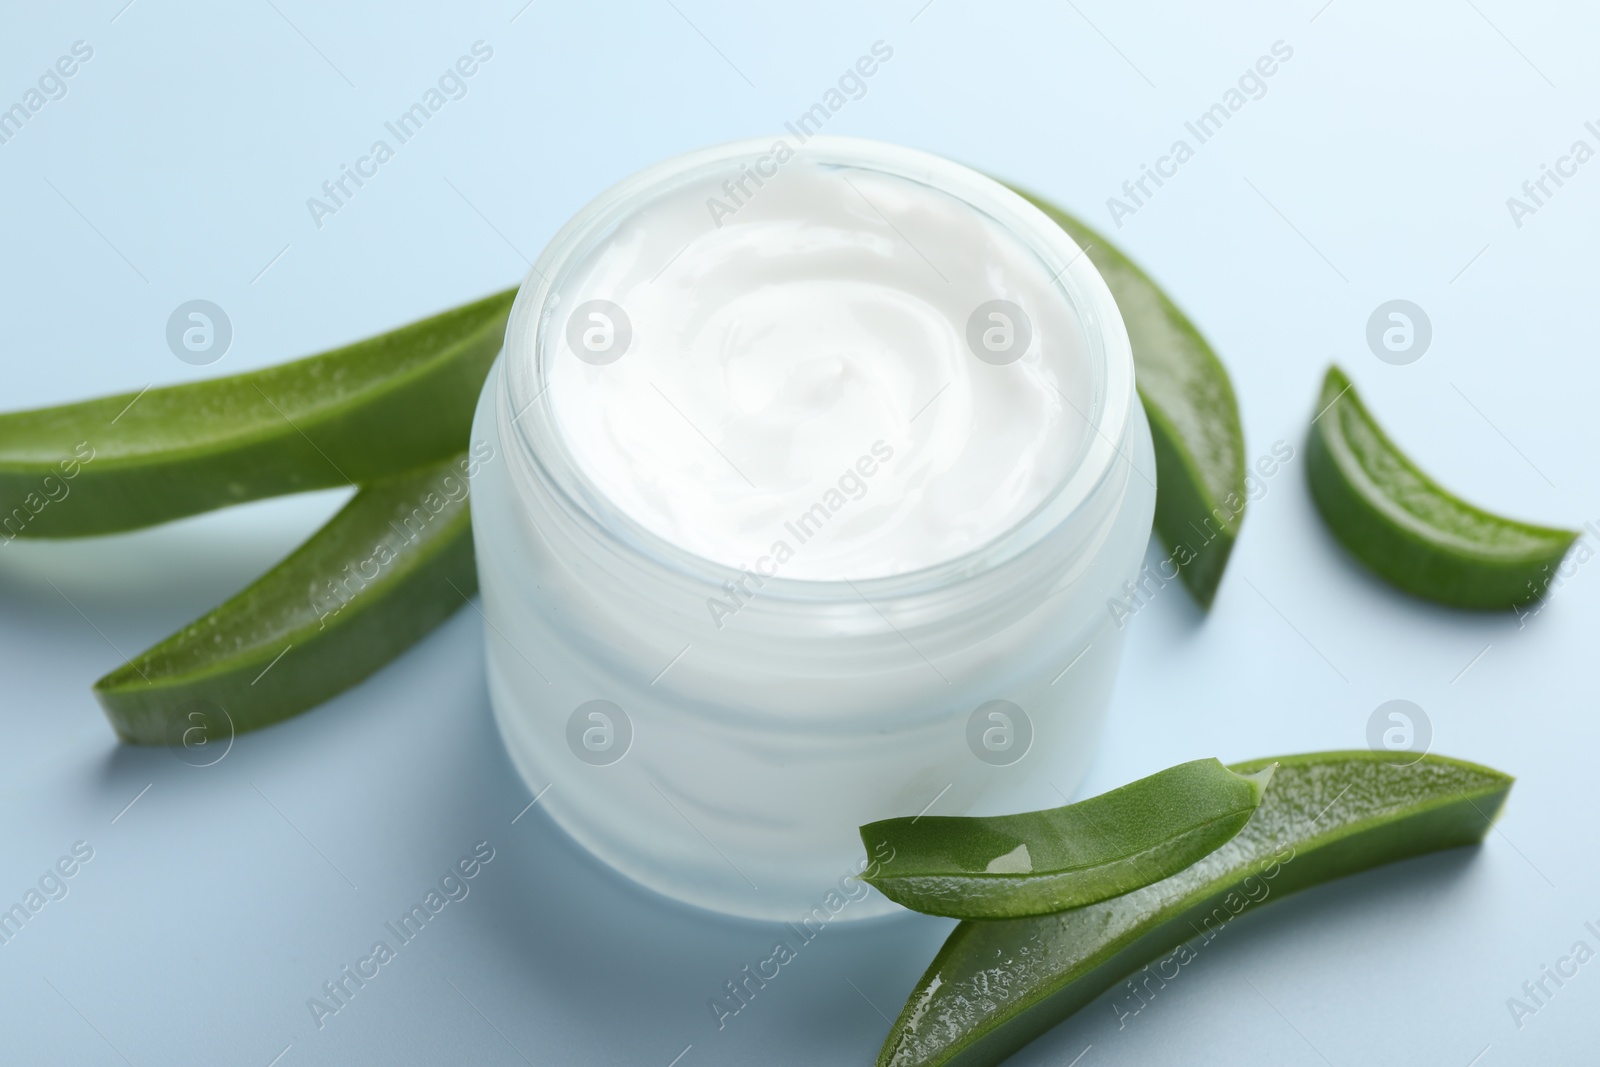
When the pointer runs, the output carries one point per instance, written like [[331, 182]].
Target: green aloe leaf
[[1407, 527], [997, 985], [1008, 866], [392, 564], [365, 411]]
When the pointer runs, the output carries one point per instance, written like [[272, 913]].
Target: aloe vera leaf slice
[[368, 410], [1408, 528], [994, 986], [1008, 866], [392, 564]]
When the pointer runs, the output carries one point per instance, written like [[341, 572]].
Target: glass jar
[[729, 767]]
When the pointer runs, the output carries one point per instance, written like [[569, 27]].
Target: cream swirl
[[784, 375]]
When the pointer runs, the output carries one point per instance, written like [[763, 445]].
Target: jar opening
[[1067, 366]]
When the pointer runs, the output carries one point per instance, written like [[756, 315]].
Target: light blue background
[[1376, 166]]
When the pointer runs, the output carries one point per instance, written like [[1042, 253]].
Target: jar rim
[[526, 410]]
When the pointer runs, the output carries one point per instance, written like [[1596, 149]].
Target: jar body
[[719, 733], [729, 770]]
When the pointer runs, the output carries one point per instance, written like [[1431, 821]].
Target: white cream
[[798, 394]]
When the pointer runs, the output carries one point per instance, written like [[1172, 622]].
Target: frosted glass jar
[[727, 760]]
